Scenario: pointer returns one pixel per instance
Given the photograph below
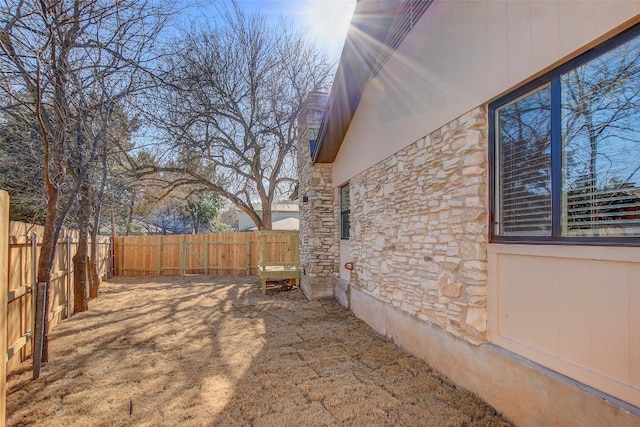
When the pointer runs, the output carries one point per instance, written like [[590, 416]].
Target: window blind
[[524, 150]]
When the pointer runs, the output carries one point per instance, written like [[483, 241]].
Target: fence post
[[159, 256], [121, 256], [34, 286], [69, 305], [112, 256], [249, 233], [4, 287], [39, 335], [206, 254], [183, 255]]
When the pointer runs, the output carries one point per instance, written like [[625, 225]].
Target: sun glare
[[328, 22]]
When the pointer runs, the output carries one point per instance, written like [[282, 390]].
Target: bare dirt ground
[[213, 351]]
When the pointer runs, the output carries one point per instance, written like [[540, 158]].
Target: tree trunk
[[80, 297], [94, 273], [131, 208], [45, 262], [94, 258], [114, 232], [265, 224], [80, 294]]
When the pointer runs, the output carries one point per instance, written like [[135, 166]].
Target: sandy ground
[[213, 351]]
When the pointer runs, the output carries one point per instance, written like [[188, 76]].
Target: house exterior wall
[[415, 157], [425, 276], [419, 228], [345, 255], [574, 309], [319, 247], [244, 222], [524, 392], [433, 78]]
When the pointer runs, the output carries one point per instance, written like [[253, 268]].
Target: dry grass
[[212, 351]]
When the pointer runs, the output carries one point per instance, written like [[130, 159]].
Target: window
[[566, 151], [524, 160], [344, 212]]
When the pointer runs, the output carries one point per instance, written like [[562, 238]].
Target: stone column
[[319, 250]]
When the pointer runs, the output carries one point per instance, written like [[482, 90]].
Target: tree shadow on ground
[[212, 350]]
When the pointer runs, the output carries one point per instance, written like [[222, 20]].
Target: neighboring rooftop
[[283, 224], [279, 207], [284, 216]]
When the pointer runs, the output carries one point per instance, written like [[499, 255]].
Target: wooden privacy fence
[[180, 254], [23, 253], [4, 270]]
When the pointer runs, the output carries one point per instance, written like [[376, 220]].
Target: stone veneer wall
[[419, 228], [319, 248]]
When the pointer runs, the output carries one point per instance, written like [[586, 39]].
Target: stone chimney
[[319, 248]]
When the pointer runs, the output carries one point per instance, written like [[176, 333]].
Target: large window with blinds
[[565, 151]]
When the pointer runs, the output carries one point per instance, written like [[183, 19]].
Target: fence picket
[[159, 256], [206, 254], [68, 250], [34, 283]]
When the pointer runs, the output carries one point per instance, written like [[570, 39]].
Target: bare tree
[[103, 128], [54, 54], [228, 120], [19, 139]]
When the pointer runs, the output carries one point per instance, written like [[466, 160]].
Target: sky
[[326, 21]]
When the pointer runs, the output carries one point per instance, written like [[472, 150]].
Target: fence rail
[[177, 255]]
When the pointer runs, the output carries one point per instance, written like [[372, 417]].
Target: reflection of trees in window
[[568, 151], [524, 132], [601, 143]]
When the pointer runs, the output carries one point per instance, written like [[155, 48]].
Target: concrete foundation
[[341, 292], [524, 392], [316, 287]]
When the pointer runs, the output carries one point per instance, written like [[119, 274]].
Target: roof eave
[[369, 27], [368, 45]]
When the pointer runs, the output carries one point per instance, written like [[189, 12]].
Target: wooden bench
[[284, 263]]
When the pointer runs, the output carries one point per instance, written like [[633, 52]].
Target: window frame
[[551, 78], [344, 211]]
